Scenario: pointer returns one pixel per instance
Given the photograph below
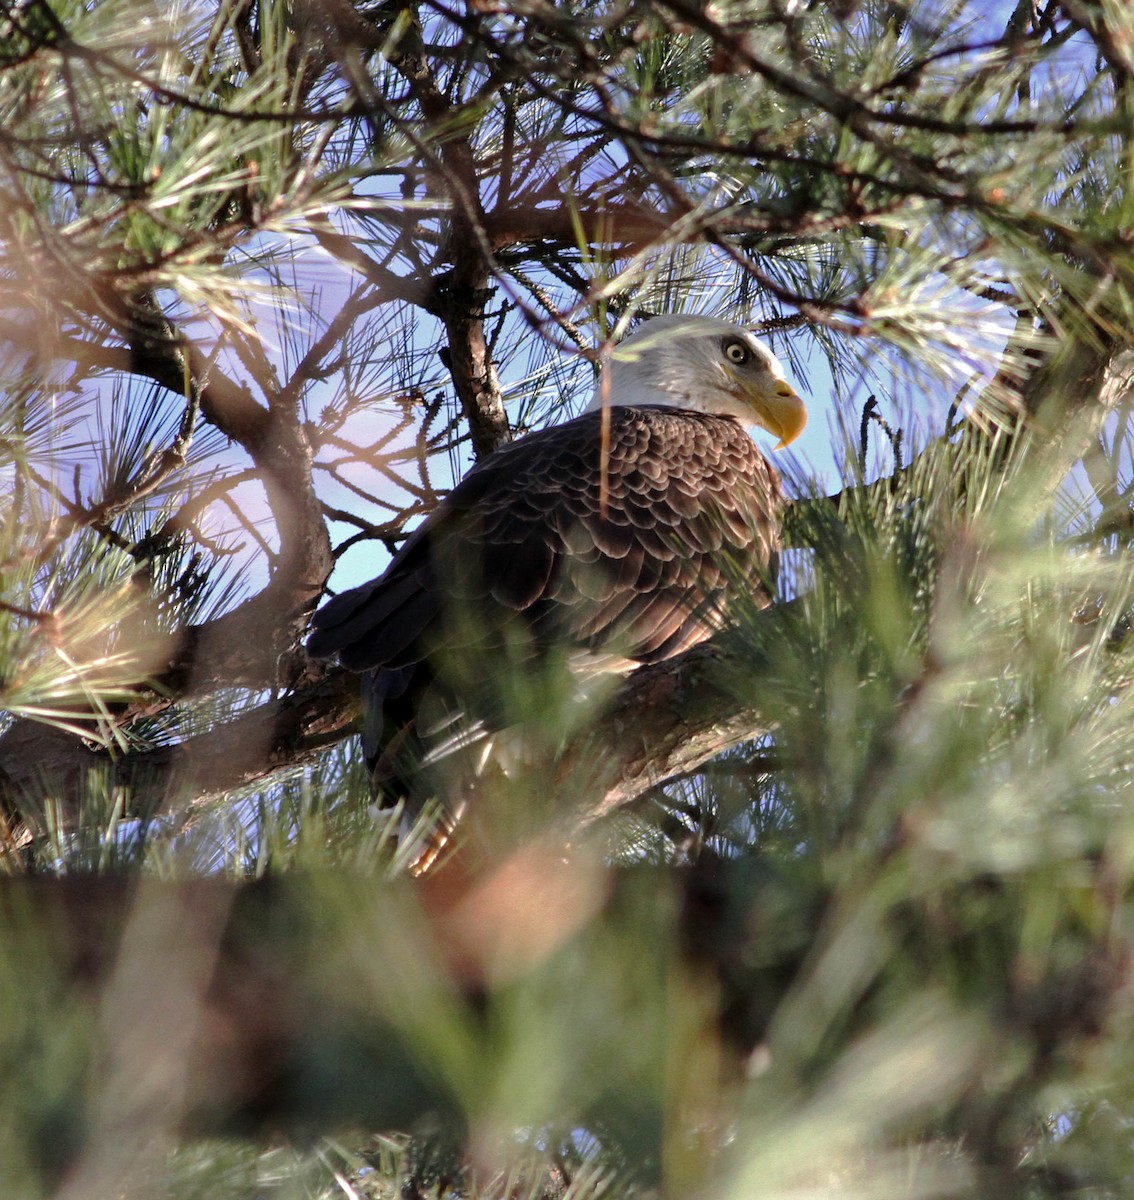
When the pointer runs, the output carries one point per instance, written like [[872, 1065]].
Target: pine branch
[[666, 721]]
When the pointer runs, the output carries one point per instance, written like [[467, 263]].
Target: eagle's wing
[[631, 547], [621, 546]]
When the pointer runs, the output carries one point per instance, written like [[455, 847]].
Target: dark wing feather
[[642, 566]]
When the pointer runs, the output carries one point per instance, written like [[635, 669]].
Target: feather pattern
[[527, 550]]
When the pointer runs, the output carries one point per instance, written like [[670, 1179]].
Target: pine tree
[[847, 908]]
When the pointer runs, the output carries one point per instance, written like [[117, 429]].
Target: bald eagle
[[611, 541]]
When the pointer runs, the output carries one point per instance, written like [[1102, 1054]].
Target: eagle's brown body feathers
[[531, 543]]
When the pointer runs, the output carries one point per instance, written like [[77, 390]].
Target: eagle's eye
[[737, 352]]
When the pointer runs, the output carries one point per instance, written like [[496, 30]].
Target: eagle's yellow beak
[[780, 411]]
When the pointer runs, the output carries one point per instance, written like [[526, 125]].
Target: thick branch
[[465, 291], [41, 765], [666, 721]]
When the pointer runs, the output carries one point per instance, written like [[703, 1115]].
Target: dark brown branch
[[463, 294], [274, 437], [666, 721], [1105, 35]]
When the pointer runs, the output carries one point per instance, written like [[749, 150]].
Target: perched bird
[[613, 540]]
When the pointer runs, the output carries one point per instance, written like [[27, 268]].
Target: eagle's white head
[[707, 365]]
